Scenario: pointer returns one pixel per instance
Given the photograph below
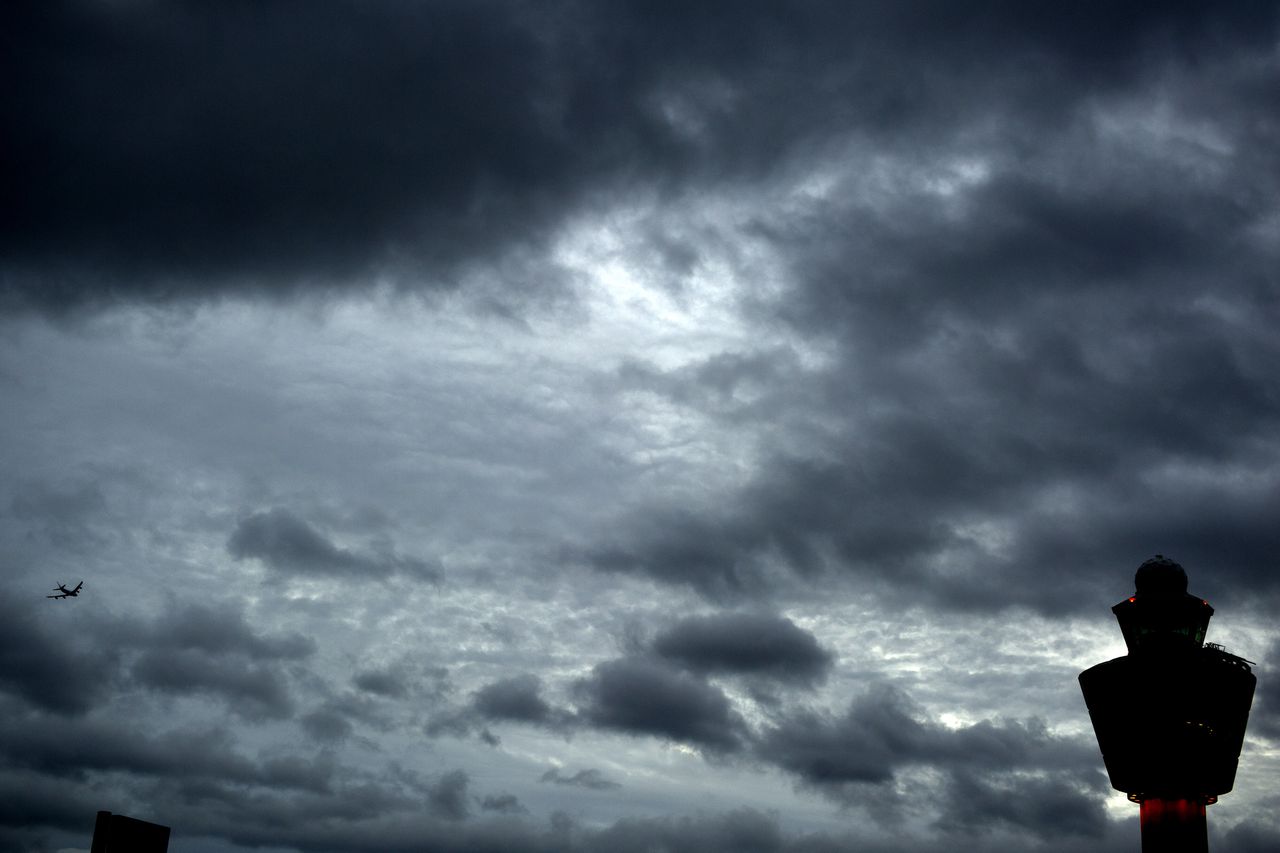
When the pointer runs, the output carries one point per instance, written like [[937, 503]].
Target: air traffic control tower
[[1170, 715]]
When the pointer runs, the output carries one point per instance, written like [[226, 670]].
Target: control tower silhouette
[[1170, 715]]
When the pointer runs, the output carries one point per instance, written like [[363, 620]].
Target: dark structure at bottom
[[1170, 715], [115, 833]]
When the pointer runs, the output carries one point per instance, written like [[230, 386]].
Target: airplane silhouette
[[66, 593]]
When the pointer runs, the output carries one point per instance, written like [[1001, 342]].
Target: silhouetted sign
[[115, 833]]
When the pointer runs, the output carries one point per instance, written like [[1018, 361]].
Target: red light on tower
[[1170, 715]]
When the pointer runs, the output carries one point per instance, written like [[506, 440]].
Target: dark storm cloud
[[746, 644], [756, 832], [746, 830], [713, 385], [712, 554], [335, 718], [1047, 808], [28, 802], [517, 699], [640, 696], [326, 725], [219, 630], [251, 690], [502, 804], [295, 773], [1073, 345], [1265, 717], [281, 801], [878, 734], [67, 515], [590, 778], [993, 421], [883, 732], [191, 149], [319, 813], [50, 670], [287, 544], [383, 682], [293, 824], [381, 688], [209, 649], [1054, 375], [283, 541], [1026, 358], [1252, 837], [751, 830], [212, 650], [447, 796], [65, 503], [70, 750], [356, 798], [458, 723], [162, 151]]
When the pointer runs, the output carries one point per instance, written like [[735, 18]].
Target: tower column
[[1174, 826]]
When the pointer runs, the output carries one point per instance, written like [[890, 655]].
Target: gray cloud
[[513, 118], [447, 796], [1047, 808], [349, 714], [71, 516], [70, 750], [221, 629], [1026, 306], [383, 682], [1252, 838], [284, 541], [746, 830], [1265, 716], [517, 698], [299, 774], [969, 390], [883, 732], [32, 803], [208, 649], [444, 109], [878, 733], [64, 504], [50, 671], [289, 545], [326, 725], [202, 780], [639, 696], [590, 778], [253, 691], [212, 650], [748, 644], [502, 804]]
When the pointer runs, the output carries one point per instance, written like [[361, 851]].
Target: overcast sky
[[607, 426]]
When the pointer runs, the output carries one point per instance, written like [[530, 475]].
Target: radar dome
[[1160, 576]]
